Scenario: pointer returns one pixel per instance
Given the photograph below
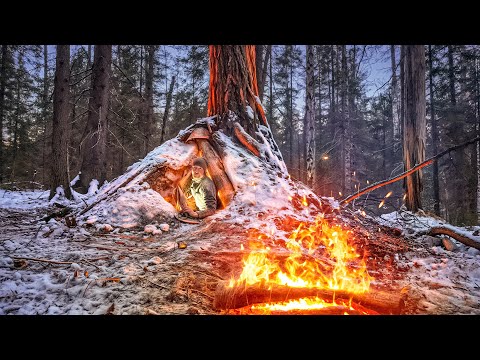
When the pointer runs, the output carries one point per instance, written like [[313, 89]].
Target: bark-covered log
[[236, 297], [464, 238], [246, 140], [217, 172]]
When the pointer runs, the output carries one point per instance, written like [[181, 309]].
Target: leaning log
[[217, 172], [227, 297]]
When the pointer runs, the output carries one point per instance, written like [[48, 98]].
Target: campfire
[[318, 271]]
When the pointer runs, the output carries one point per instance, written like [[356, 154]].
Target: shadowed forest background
[[151, 92]]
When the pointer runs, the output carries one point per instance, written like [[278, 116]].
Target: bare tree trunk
[[347, 166], [477, 99], [455, 130], [436, 191], [148, 104], [395, 120], [451, 76], [261, 61], [167, 109], [44, 108], [3, 82], [16, 125], [310, 117], [141, 72], [89, 56], [270, 86], [384, 142], [352, 113], [299, 156], [415, 122], [259, 67], [266, 61], [95, 134], [291, 128], [333, 110], [402, 91], [61, 132]]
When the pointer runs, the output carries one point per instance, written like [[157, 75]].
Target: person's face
[[197, 172]]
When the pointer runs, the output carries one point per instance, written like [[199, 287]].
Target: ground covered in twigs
[[55, 269]]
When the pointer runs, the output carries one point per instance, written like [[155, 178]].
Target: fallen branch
[[157, 285], [89, 263], [227, 297], [60, 213], [406, 173], [43, 260], [464, 238], [112, 191]]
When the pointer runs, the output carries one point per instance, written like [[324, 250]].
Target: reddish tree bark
[[233, 87]]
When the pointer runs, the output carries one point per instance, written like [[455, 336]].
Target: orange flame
[[304, 201], [320, 256]]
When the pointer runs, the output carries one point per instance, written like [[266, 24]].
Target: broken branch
[[406, 173]]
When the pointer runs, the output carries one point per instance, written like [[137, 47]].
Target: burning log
[[239, 296]]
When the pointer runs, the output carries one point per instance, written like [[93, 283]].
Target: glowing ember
[[320, 255]]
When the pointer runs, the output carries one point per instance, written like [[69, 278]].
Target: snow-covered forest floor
[[50, 268]]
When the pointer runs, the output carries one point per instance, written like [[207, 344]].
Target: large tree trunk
[[95, 135], [61, 129], [233, 101], [310, 118], [233, 97], [436, 191], [415, 122], [233, 87]]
